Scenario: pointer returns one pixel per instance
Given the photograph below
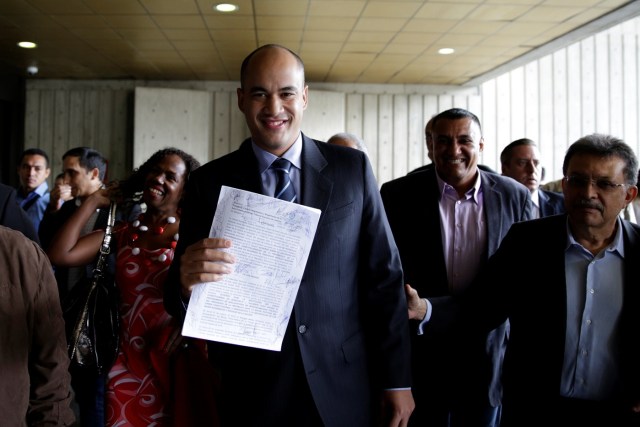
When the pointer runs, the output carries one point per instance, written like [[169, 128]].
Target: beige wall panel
[[400, 135], [574, 93], [630, 81], [560, 107], [60, 133], [171, 118], [325, 114], [385, 138], [416, 149], [355, 116], [370, 132], [616, 87], [588, 85], [222, 105]]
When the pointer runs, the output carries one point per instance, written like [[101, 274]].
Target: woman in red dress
[[139, 387]]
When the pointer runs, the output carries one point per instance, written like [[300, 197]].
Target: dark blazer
[[13, 216], [443, 359], [551, 203], [534, 356], [350, 305]]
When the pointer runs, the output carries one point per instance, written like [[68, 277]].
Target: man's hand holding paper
[[250, 287]]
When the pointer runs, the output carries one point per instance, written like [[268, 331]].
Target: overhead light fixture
[[226, 7], [446, 51], [27, 45]]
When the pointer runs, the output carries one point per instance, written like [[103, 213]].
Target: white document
[[271, 240]]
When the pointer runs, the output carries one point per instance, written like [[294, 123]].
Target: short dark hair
[[456, 114], [245, 63], [35, 152], [89, 159], [604, 146], [505, 156], [135, 182]]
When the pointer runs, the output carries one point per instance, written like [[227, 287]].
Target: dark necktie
[[284, 186]]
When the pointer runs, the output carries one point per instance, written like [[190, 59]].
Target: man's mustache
[[590, 204]]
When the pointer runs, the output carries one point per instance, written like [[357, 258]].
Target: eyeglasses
[[582, 182]]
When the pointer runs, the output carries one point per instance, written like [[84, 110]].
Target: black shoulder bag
[[91, 314]]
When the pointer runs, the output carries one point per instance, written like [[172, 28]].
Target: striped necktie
[[284, 186]]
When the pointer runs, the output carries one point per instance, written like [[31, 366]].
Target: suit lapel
[[245, 173], [316, 186], [493, 208], [543, 201]]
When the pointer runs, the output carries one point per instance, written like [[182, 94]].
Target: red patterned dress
[[137, 389]]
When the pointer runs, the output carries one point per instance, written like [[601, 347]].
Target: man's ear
[[305, 96], [240, 94], [95, 173], [481, 145]]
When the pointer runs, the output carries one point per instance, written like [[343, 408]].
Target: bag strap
[[105, 248]]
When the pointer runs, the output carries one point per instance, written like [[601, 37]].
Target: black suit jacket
[[534, 300], [350, 304], [13, 216], [550, 203], [447, 362]]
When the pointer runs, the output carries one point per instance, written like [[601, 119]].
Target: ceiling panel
[[372, 41]]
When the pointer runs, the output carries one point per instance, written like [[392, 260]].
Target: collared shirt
[[464, 233], [35, 209], [594, 304], [269, 176], [535, 198]]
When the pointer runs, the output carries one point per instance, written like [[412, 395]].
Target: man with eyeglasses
[[572, 356]]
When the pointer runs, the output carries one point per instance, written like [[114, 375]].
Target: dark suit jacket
[[443, 359], [550, 203], [13, 216], [351, 291], [534, 356]]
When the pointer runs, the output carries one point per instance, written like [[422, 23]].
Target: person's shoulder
[[14, 241], [7, 192], [552, 195], [504, 182], [411, 179]]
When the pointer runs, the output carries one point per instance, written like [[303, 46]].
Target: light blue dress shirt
[[594, 303], [35, 211]]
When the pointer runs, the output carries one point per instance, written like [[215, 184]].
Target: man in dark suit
[[572, 357], [446, 222], [348, 329], [13, 216], [520, 160]]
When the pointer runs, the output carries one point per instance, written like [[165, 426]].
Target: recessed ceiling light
[[27, 45], [226, 7], [446, 51]]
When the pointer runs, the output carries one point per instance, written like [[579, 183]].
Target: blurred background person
[[33, 193], [348, 140], [520, 160]]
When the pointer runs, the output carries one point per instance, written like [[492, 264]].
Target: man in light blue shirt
[[572, 356], [33, 194]]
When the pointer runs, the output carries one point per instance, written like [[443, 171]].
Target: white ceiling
[[363, 41]]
